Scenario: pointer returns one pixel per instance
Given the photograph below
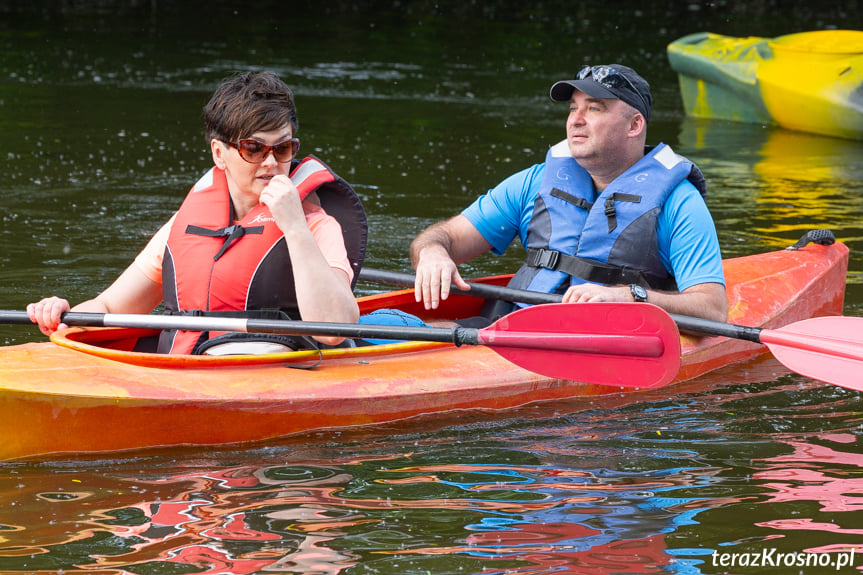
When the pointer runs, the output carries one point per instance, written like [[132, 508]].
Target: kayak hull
[[75, 395], [810, 81]]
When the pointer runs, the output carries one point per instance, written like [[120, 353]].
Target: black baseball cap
[[608, 81]]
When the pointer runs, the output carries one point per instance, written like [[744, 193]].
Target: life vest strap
[[592, 271], [230, 233], [611, 211], [571, 199]]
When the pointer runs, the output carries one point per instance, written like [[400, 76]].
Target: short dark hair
[[247, 103]]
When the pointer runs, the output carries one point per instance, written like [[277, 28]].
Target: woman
[[248, 236]]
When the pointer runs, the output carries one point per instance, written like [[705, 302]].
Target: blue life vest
[[574, 237]]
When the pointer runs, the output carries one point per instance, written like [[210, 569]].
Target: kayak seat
[[387, 317]]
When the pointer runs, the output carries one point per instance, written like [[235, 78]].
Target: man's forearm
[[433, 236]]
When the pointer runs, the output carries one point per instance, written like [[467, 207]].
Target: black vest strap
[[591, 271], [570, 199], [230, 233], [611, 211]]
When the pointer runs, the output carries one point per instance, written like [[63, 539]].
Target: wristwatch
[[638, 293]]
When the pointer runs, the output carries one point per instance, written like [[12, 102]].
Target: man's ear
[[637, 125], [219, 150]]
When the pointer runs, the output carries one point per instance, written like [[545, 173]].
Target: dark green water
[[421, 106]]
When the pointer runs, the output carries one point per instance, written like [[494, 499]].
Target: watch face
[[638, 292]]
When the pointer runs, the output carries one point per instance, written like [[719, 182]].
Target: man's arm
[[437, 251], [707, 300]]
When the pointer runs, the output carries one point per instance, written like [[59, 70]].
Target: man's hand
[[436, 272], [594, 292]]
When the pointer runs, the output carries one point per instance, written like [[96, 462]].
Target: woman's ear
[[219, 150]]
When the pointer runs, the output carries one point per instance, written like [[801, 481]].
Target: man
[[603, 219]]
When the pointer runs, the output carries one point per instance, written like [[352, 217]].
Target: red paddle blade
[[621, 344], [829, 349]]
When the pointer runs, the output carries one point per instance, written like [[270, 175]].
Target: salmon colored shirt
[[325, 229]]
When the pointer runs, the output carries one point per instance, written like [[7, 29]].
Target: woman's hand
[[47, 313], [282, 198]]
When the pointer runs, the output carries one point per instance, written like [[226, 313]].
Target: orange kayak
[[85, 392]]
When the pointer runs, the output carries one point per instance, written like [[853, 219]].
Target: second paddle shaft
[[693, 325]]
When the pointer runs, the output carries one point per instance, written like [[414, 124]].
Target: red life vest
[[245, 265]]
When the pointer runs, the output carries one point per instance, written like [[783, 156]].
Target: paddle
[[627, 345], [829, 349]]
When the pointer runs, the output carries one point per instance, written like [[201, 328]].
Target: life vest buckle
[[543, 258]]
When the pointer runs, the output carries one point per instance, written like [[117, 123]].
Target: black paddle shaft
[[692, 325]]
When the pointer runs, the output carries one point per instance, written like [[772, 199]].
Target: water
[[421, 107]]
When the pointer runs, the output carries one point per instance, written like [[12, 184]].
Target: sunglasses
[[610, 78], [254, 151]]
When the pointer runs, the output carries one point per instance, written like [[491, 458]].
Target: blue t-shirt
[[688, 245]]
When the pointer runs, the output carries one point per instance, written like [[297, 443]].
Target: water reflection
[[819, 473], [775, 183], [318, 519]]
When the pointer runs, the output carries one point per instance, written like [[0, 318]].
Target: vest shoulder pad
[[340, 201]]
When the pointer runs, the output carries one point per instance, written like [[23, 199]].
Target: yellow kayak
[[810, 81]]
